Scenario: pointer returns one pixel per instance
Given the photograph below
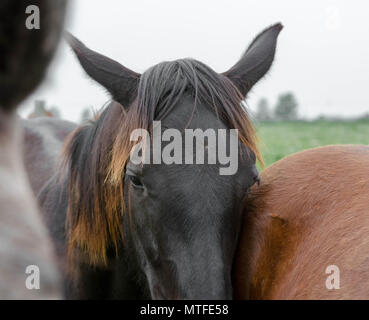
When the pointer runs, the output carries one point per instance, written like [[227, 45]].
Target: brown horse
[[309, 216], [24, 57]]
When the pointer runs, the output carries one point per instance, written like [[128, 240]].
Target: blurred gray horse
[[43, 143], [24, 57]]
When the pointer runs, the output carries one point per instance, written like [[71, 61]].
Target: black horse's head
[[182, 158]]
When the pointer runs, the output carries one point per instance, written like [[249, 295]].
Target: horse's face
[[184, 218]]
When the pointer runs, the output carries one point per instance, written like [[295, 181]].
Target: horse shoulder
[[310, 212]]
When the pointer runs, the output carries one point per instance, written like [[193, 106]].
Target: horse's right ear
[[256, 61], [121, 82]]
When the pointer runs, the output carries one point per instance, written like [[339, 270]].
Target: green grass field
[[278, 139]]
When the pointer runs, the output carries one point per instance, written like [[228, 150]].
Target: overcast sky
[[322, 55]]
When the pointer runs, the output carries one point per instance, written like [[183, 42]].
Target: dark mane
[[96, 154]]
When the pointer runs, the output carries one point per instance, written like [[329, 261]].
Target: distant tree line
[[41, 109], [286, 109]]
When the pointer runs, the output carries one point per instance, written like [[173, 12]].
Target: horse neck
[[265, 240]]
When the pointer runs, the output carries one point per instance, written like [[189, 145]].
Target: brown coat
[[310, 211]]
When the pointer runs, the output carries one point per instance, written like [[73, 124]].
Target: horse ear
[[121, 82], [256, 61]]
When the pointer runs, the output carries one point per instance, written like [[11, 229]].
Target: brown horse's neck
[[265, 256], [266, 240]]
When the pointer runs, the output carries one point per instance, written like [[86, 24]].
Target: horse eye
[[136, 181]]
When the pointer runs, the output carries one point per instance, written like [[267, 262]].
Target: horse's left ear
[[256, 61]]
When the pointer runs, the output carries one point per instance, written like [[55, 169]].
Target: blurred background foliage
[[282, 132]]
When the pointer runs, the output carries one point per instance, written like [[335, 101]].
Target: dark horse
[[157, 230], [24, 57]]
